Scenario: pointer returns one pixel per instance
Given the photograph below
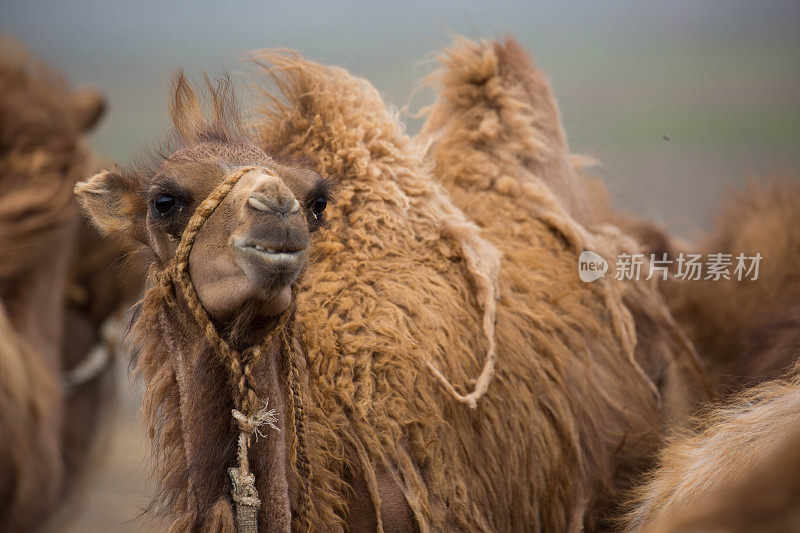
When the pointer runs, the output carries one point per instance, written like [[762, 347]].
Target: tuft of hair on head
[[187, 110]]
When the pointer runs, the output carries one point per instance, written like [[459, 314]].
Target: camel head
[[254, 246]]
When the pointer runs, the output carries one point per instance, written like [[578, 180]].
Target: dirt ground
[[116, 491]]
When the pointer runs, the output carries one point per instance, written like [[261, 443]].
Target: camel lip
[[269, 254], [265, 249]]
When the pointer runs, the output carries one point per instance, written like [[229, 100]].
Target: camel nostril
[[283, 205]]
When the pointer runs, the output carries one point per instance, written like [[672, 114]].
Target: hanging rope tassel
[[243, 490], [245, 499]]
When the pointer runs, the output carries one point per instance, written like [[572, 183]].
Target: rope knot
[[163, 279], [252, 424]]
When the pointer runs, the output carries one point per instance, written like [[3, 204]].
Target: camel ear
[[114, 204], [185, 109], [89, 106]]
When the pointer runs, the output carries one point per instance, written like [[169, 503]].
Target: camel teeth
[[260, 248]]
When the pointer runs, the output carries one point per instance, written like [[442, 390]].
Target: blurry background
[[720, 80]]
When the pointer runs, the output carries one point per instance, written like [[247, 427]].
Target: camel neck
[[208, 433]]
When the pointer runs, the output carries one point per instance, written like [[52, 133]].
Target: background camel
[[731, 468], [745, 331], [734, 470], [748, 331], [46, 288], [766, 501], [391, 330]]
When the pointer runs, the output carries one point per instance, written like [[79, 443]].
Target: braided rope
[[301, 460], [246, 413]]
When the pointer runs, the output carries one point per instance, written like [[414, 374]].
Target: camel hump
[[493, 100], [322, 114], [517, 66]]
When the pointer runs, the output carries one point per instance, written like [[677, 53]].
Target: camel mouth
[[273, 256], [286, 257]]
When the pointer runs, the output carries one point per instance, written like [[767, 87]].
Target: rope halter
[[247, 416]]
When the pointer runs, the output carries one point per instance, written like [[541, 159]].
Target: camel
[[329, 343], [747, 331], [734, 469], [744, 330], [51, 394]]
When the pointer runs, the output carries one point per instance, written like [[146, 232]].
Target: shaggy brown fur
[[44, 435], [577, 406], [748, 331], [498, 147], [735, 470], [766, 501]]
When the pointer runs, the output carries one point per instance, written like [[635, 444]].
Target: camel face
[[255, 245], [269, 240]]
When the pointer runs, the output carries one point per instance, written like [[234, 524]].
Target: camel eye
[[319, 205], [165, 204]]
